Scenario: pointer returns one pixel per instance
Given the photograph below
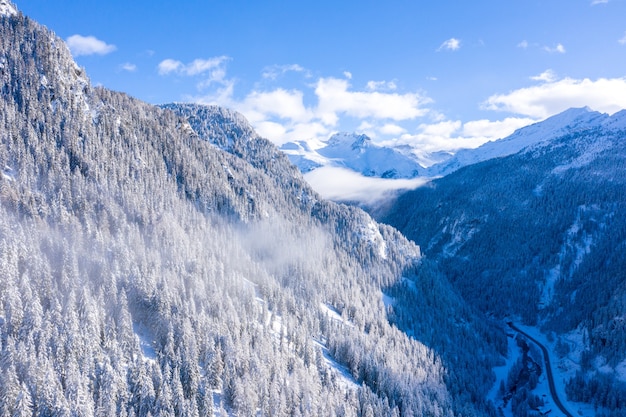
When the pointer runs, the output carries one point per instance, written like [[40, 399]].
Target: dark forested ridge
[[168, 261], [540, 235]]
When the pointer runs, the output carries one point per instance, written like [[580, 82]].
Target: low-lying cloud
[[342, 184]]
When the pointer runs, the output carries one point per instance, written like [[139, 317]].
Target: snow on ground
[[563, 368], [513, 353], [344, 378], [372, 234], [145, 342], [591, 152], [331, 312], [219, 409], [581, 246], [341, 373], [388, 301], [409, 283], [7, 173]]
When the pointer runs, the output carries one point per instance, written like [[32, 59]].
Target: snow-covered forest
[[168, 261], [539, 237]]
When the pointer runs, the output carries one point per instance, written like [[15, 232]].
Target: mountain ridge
[[169, 261], [360, 154], [356, 152], [538, 236]]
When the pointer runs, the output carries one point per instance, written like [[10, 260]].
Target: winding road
[[546, 359]]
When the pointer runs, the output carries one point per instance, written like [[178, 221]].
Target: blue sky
[[432, 74]]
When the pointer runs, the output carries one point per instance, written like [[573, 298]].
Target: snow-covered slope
[[171, 262], [540, 235], [355, 152], [572, 120], [360, 154]]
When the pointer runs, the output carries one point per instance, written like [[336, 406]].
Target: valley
[[169, 260]]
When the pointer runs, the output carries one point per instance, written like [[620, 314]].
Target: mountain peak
[[352, 140], [573, 116], [7, 8], [617, 121], [570, 120]]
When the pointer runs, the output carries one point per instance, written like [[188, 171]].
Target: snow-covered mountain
[[569, 121], [169, 261], [355, 152], [540, 236], [358, 153]]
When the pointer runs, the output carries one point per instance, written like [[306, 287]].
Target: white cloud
[[594, 2], [215, 75], [335, 98], [381, 86], [451, 44], [523, 44], [343, 184], [347, 74], [441, 129], [392, 129], [196, 67], [488, 130], [168, 66], [281, 115], [88, 45], [559, 48], [268, 129], [431, 137], [547, 99], [281, 103], [623, 39], [275, 71], [129, 67], [451, 135], [200, 66], [546, 76]]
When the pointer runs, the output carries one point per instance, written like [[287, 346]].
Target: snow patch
[[373, 236], [8, 174], [341, 373], [563, 368], [529, 137], [331, 312], [502, 372], [145, 342], [388, 301], [577, 242], [587, 156], [409, 283]]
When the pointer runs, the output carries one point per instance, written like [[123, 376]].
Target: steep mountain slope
[[171, 262], [540, 235], [355, 152]]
